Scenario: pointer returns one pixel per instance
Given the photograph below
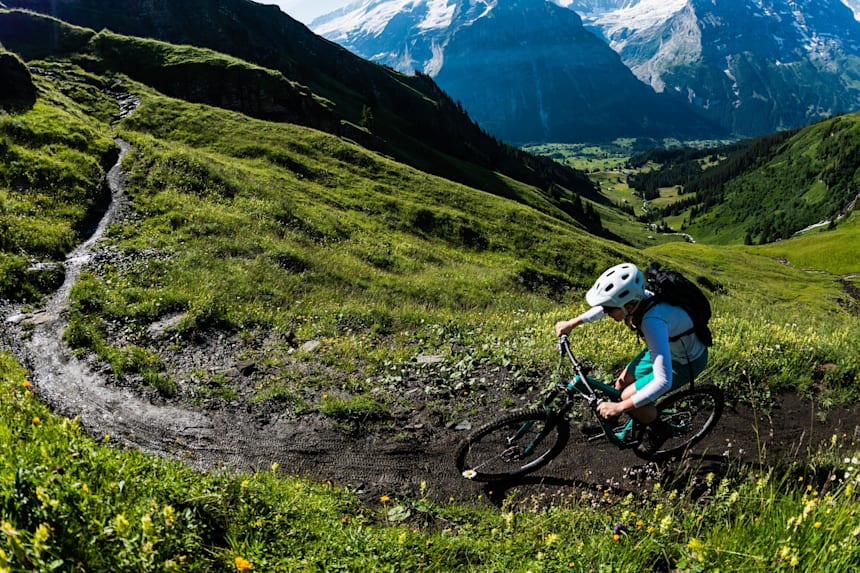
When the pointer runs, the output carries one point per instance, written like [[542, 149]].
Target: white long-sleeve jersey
[[660, 323]]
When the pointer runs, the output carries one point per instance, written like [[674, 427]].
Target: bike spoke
[[514, 445]]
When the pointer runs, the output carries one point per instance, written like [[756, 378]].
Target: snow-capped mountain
[[752, 66], [854, 5], [525, 70]]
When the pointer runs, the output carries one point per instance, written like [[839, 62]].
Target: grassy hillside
[[52, 165], [823, 248], [262, 236], [243, 226], [757, 191], [319, 83]]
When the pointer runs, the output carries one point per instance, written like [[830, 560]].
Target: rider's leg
[[656, 431], [645, 414], [640, 372], [625, 379]]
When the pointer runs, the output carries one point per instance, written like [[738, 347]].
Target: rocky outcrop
[[18, 89]]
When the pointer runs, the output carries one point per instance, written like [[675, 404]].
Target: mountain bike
[[521, 442]]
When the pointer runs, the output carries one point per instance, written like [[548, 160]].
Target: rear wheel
[[512, 446], [690, 415]]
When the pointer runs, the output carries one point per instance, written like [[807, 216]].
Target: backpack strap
[[635, 323], [636, 326], [678, 337]]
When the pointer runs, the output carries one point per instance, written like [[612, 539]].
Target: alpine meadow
[[340, 275]]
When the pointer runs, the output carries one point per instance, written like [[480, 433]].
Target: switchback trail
[[376, 464]]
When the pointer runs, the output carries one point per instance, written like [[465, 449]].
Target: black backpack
[[674, 288]]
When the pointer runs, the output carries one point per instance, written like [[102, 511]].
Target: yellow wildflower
[[243, 564], [147, 525], [698, 549], [36, 420], [121, 525], [8, 530], [666, 522], [384, 499], [169, 515], [43, 532]]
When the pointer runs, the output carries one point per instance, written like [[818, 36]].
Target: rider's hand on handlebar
[[563, 327], [610, 409]]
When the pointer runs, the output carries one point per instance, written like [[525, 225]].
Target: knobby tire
[[693, 414], [512, 446]]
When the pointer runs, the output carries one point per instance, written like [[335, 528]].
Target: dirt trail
[[69, 385], [239, 437]]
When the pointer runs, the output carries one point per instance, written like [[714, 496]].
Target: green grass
[[72, 503], [51, 166], [832, 250]]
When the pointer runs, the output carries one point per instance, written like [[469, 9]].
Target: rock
[[246, 367], [19, 90], [310, 346], [47, 276], [157, 329]]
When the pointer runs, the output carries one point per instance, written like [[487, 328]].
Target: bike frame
[[591, 389]]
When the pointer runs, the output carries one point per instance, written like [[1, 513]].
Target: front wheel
[[691, 415], [512, 446]]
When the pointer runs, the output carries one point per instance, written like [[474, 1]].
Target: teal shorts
[[642, 368]]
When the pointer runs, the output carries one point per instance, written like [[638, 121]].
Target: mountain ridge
[[746, 71], [412, 118], [756, 69], [526, 70]]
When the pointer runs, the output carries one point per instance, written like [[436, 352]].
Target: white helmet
[[617, 286]]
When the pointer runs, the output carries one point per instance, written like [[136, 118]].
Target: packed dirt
[[238, 435]]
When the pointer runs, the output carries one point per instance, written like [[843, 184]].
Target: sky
[[306, 10]]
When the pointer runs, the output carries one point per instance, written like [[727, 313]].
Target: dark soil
[[413, 446]]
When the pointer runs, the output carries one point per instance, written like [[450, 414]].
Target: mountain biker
[[662, 366]]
